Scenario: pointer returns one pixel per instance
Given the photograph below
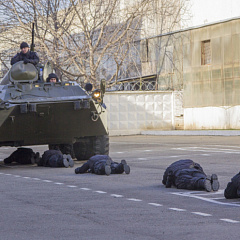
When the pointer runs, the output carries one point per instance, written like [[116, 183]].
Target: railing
[[146, 83]]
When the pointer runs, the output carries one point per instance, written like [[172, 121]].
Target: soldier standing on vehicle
[[233, 188], [25, 55], [186, 174], [103, 164]]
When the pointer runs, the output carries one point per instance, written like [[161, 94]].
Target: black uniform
[[186, 174], [29, 57], [55, 158], [103, 164], [22, 156], [233, 188]]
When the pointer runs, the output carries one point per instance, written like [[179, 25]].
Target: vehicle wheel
[[86, 147]]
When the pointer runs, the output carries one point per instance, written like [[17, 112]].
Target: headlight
[[97, 95]]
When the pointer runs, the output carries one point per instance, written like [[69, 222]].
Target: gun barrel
[[32, 44]]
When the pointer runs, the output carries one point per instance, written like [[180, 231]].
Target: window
[[206, 52]]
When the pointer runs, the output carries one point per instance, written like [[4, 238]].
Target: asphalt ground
[[55, 203]]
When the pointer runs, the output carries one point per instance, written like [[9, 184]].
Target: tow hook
[[94, 116]]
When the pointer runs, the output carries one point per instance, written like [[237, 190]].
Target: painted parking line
[[229, 220], [100, 192], [156, 204], [202, 214], [47, 181], [116, 195], [134, 199], [189, 194], [178, 209], [204, 197], [85, 189]]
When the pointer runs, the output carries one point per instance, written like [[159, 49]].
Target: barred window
[[206, 52]]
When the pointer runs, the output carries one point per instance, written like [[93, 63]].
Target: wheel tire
[[86, 147]]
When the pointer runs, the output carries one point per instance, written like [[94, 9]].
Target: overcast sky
[[208, 11]]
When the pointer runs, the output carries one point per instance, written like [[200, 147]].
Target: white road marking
[[188, 194], [134, 199], [184, 194], [207, 149], [147, 150], [116, 195], [220, 198], [178, 209], [142, 158], [47, 181], [202, 214], [8, 174], [229, 220], [155, 204], [221, 191], [37, 179]]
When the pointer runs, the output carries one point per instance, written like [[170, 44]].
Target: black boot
[[69, 159], [207, 184], [107, 167], [215, 182], [169, 181], [82, 169], [64, 162], [125, 166]]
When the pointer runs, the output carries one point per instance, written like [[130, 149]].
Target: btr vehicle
[[61, 114]]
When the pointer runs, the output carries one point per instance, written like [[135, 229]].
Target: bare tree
[[89, 39]]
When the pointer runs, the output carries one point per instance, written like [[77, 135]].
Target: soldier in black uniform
[[103, 164], [55, 158], [52, 77], [233, 188], [25, 55], [186, 174], [23, 156]]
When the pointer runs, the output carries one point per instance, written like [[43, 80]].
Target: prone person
[[22, 156], [233, 188], [55, 158], [103, 164], [186, 174]]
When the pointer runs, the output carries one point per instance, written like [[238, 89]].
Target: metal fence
[[146, 83]]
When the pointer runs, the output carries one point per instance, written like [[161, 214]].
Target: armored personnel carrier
[[36, 112]]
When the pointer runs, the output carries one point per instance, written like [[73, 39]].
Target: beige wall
[[133, 112], [216, 84]]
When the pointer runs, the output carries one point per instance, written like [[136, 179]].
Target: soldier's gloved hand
[[26, 61]]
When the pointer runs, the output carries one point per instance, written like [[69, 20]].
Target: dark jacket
[[97, 158], [180, 165], [29, 57], [47, 155], [233, 188], [21, 155]]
